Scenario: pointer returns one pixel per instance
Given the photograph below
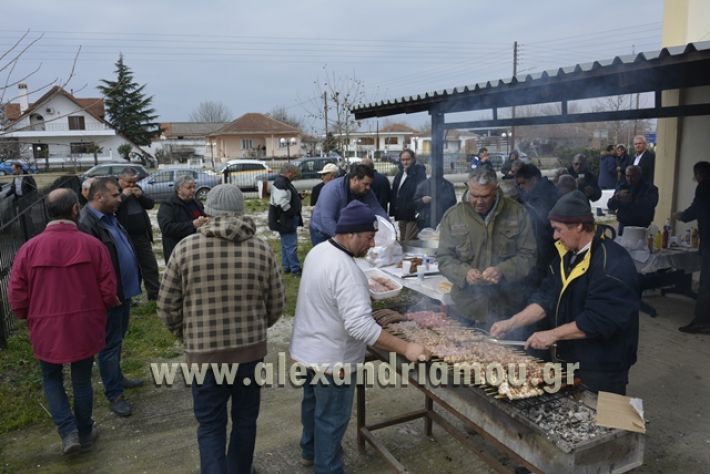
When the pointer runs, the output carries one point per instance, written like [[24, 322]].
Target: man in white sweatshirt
[[334, 325]]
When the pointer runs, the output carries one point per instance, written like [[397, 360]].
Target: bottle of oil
[[695, 238]]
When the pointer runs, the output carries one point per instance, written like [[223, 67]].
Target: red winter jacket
[[63, 283]]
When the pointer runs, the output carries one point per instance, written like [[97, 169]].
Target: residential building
[[255, 135], [187, 141], [60, 129]]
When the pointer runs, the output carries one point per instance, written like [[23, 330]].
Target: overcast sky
[[254, 56]]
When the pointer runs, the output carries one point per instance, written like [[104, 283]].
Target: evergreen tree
[[129, 110]]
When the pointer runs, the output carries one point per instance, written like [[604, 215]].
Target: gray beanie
[[572, 208], [224, 200]]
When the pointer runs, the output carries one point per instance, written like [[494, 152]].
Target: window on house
[[76, 122], [367, 141], [247, 144], [391, 140], [80, 148]]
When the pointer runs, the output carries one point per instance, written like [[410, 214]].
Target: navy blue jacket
[[639, 210], [603, 297]]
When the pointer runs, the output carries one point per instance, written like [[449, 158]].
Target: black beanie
[[356, 217], [572, 208]]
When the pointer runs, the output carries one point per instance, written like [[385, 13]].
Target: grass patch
[[255, 205], [21, 396], [290, 282]]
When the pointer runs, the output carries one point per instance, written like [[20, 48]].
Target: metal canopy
[[678, 67], [667, 69]]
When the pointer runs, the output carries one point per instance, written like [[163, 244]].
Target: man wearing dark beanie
[[591, 300], [332, 328]]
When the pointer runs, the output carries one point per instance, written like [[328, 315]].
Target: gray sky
[[257, 55]]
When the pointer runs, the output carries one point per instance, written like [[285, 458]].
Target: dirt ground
[[671, 377]]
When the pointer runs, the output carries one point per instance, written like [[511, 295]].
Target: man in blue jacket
[[336, 195], [591, 300]]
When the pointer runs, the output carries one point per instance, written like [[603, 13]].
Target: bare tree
[[280, 113], [211, 112], [334, 96]]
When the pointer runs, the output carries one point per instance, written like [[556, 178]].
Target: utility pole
[[515, 73], [325, 111]]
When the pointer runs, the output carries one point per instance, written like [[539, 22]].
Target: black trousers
[[147, 264], [702, 305]]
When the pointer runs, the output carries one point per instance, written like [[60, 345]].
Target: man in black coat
[[285, 217], [133, 217], [380, 184], [430, 210], [181, 215], [700, 210], [644, 158], [587, 181], [403, 188], [634, 200], [539, 196], [591, 300]]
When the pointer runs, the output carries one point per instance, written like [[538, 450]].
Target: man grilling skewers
[[591, 300], [486, 249], [332, 328]]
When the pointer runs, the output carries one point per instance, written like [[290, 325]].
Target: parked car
[[161, 184], [308, 168], [244, 173], [114, 170], [6, 167]]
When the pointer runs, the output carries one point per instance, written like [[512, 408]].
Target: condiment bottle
[[695, 238]]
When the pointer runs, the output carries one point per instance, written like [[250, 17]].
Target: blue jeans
[[110, 356], [325, 414], [53, 384], [317, 236], [210, 406], [289, 252]]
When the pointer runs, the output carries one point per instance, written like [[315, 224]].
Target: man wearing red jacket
[[63, 283]]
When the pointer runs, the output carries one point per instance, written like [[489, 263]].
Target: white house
[[60, 129]]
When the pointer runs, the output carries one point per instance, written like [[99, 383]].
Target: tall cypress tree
[[129, 110]]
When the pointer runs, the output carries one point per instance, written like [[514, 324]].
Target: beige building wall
[[681, 141]]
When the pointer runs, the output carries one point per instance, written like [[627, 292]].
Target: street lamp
[[287, 142], [416, 142], [505, 136], [356, 142]]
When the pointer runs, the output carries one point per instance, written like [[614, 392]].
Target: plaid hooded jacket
[[221, 290]]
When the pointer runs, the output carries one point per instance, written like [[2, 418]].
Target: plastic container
[[382, 295]]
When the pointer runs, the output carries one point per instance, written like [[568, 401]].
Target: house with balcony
[[388, 139], [60, 130], [255, 136], [186, 141]]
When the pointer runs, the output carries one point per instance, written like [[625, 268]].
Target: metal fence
[[20, 220]]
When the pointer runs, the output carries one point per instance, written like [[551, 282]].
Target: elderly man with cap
[[327, 174], [591, 300], [332, 328], [220, 292]]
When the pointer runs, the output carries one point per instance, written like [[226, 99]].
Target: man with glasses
[[486, 249], [133, 217], [98, 218]]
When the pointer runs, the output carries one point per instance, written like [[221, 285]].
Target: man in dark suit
[[23, 189], [645, 158], [403, 188]]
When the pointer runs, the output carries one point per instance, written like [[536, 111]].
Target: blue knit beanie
[[356, 217]]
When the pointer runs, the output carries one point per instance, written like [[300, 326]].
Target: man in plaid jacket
[[220, 292]]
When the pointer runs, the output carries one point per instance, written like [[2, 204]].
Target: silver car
[[161, 184]]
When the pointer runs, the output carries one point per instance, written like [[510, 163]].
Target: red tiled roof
[[253, 123], [93, 106]]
